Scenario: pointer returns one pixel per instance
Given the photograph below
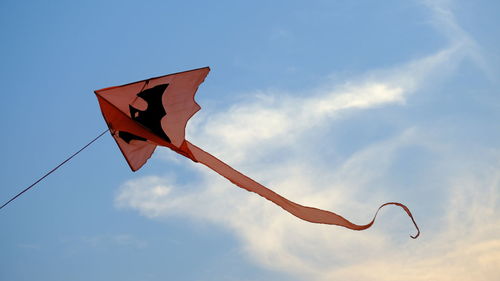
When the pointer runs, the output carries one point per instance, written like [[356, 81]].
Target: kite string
[[54, 169]]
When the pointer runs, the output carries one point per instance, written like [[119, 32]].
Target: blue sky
[[341, 105]]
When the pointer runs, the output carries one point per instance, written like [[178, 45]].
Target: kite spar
[[152, 112]]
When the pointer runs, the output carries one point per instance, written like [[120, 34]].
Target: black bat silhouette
[[151, 117]]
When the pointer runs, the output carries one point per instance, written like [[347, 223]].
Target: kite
[[152, 112]]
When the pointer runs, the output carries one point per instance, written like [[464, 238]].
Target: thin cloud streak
[[444, 21]]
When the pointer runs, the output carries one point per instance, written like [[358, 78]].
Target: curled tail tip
[[407, 210], [418, 231], [416, 226]]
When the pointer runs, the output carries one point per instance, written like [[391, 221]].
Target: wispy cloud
[[285, 116], [29, 246], [106, 240], [276, 140], [444, 21]]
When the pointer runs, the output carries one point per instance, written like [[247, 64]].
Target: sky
[[340, 105]]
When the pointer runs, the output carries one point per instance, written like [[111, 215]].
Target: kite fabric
[[152, 112]]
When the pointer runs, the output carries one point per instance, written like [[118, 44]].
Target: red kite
[[152, 112]]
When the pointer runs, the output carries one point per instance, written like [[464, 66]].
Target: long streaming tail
[[303, 212]]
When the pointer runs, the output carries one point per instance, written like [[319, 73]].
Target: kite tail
[[306, 213]]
